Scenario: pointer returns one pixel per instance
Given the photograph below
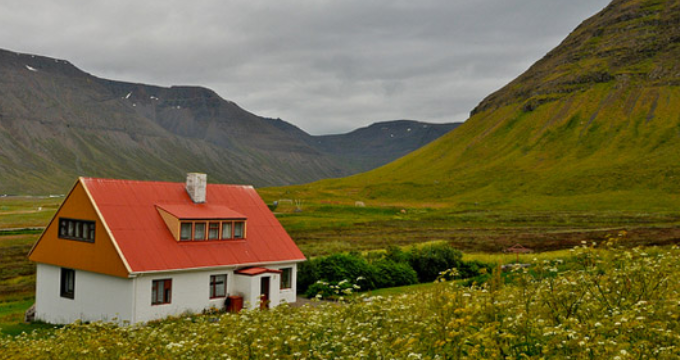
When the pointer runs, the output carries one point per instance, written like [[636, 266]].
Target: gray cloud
[[326, 66]]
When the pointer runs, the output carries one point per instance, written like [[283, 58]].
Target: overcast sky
[[325, 66]]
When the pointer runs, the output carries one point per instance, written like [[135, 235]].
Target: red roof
[[128, 208], [257, 271], [201, 211]]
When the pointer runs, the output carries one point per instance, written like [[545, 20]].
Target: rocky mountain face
[[629, 43], [594, 124], [58, 122]]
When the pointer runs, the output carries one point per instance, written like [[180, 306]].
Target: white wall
[[249, 287], [190, 293], [288, 295], [109, 298], [97, 297]]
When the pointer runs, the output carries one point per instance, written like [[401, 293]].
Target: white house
[[134, 251]]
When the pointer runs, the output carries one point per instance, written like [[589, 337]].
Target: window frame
[[205, 230], [225, 229], [166, 286], [67, 283], [230, 235], [288, 270], [76, 229], [191, 231], [210, 229], [213, 286], [242, 226]]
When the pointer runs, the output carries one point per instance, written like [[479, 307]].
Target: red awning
[[257, 271]]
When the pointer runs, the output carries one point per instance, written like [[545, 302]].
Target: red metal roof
[[257, 271], [201, 211], [129, 210]]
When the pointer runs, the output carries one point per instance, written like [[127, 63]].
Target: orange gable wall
[[100, 256]]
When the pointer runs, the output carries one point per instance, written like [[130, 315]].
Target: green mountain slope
[[595, 124]]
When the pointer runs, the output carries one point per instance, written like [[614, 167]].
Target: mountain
[[58, 122], [595, 124], [377, 144]]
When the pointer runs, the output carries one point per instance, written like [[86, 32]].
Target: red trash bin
[[234, 304]]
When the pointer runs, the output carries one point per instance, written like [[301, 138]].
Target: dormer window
[[226, 230], [203, 222], [186, 231], [238, 229], [197, 230], [213, 230]]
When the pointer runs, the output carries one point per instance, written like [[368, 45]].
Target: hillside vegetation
[[594, 125]]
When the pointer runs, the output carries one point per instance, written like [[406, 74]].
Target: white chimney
[[196, 183]]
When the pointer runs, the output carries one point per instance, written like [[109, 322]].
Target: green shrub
[[396, 254], [306, 275], [393, 268], [474, 268], [429, 261], [390, 274], [338, 267], [334, 290]]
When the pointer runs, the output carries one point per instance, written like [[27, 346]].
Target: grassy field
[[24, 212], [17, 280], [21, 220], [323, 227], [608, 305]]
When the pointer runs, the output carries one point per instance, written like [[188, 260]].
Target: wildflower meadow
[[595, 304]]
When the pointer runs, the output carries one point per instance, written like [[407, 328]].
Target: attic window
[[238, 229], [204, 222], [80, 230], [186, 231], [213, 230], [200, 230]]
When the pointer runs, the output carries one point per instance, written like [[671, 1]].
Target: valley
[[575, 160], [323, 229]]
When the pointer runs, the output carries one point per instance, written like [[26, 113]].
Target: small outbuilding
[[134, 251]]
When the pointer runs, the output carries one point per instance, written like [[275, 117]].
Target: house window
[[199, 231], [226, 230], [286, 278], [213, 231], [68, 283], [185, 231], [218, 286], [161, 292], [72, 229], [238, 230]]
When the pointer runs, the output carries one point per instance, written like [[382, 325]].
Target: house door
[[264, 292]]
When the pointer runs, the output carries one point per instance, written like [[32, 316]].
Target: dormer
[[203, 222]]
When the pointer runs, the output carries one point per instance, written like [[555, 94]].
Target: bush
[[306, 275], [393, 268], [429, 261], [390, 274], [335, 268], [332, 290], [396, 254], [471, 269]]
